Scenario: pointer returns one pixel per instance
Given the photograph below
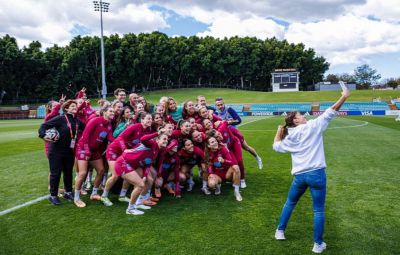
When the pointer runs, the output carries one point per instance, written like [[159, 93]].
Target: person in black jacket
[[62, 152]]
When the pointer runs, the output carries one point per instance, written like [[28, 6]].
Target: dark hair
[[154, 125], [181, 122], [141, 116], [116, 92], [120, 117], [185, 140], [207, 150], [67, 104], [289, 122], [185, 113], [211, 133]]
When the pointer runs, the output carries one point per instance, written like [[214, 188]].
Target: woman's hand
[[62, 99], [346, 93]]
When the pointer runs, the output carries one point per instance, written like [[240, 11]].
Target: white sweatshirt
[[305, 144]]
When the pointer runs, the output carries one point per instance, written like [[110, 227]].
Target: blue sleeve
[[235, 116]]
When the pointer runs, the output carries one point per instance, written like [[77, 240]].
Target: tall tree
[[365, 75]]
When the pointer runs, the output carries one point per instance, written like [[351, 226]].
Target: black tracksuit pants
[[61, 162]]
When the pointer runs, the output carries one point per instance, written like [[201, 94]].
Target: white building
[[285, 80]]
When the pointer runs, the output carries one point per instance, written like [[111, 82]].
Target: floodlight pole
[[102, 7]]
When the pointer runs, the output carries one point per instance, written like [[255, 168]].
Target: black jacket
[[60, 123]]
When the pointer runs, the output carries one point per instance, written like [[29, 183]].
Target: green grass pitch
[[362, 208]]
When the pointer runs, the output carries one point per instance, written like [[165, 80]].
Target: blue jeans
[[316, 180]]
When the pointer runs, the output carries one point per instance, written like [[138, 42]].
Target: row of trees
[[150, 61], [364, 76]]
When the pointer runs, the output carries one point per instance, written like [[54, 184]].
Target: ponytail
[[289, 122]]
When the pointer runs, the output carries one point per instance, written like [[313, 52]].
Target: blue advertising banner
[[358, 113]]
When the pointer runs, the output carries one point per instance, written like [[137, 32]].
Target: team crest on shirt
[[147, 161], [102, 136], [217, 164]]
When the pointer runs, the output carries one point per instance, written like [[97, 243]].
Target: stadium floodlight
[[100, 6]]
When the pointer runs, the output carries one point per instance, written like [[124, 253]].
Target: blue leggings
[[316, 180]]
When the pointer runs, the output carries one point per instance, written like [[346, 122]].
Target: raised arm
[[236, 119], [147, 141], [341, 100]]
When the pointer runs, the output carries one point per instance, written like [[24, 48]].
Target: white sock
[[139, 201], [236, 187], [104, 179], [105, 193], [123, 192], [131, 206], [204, 184], [77, 195], [94, 191], [218, 186], [147, 196], [89, 177]]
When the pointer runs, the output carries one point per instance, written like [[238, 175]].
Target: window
[[293, 78]]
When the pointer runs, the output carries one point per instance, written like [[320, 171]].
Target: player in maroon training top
[[90, 149], [134, 165], [168, 166], [234, 146], [128, 139], [191, 156], [221, 167]]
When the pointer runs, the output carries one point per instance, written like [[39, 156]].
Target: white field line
[[36, 200], [364, 123], [255, 121]]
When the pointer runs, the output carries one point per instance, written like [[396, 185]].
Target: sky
[[348, 33]]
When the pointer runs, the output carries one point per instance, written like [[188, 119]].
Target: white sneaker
[[243, 184], [143, 207], [206, 190], [259, 162], [319, 248], [218, 190], [124, 199], [134, 212], [238, 196], [280, 235], [106, 201], [190, 185]]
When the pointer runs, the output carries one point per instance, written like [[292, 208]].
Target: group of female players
[[154, 152]]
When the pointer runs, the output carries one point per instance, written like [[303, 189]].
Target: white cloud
[[385, 10], [207, 11], [339, 30], [346, 39], [53, 21], [229, 25]]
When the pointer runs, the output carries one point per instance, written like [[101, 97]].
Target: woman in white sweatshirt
[[303, 139]]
